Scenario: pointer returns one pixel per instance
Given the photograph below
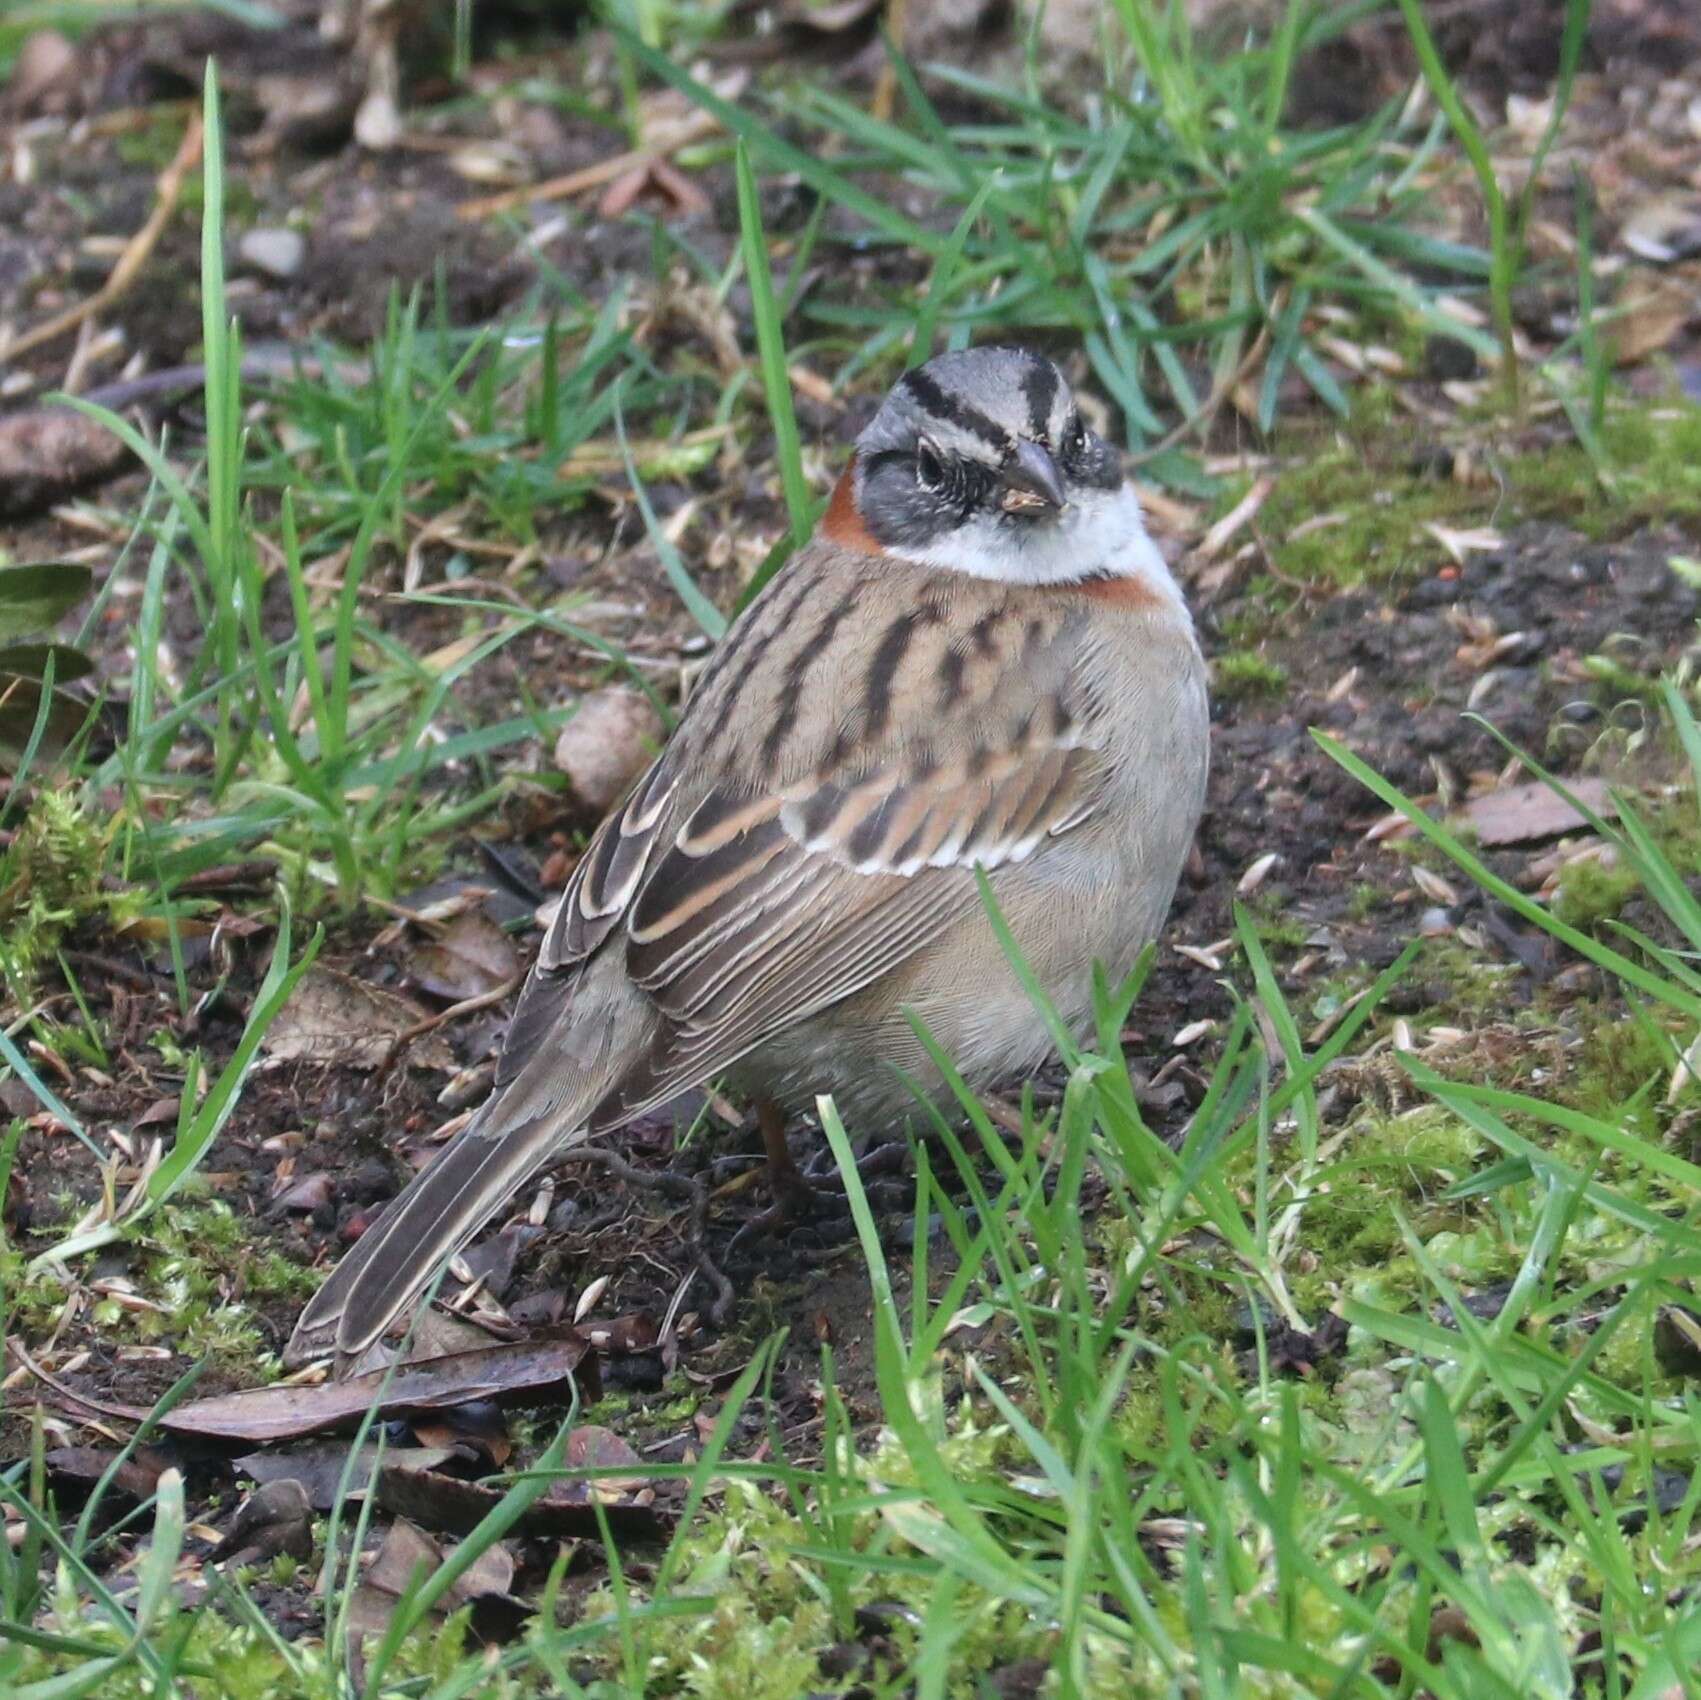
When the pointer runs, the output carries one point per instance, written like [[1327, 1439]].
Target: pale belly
[[1101, 898]]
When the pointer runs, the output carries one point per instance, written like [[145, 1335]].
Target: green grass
[[1093, 1446]]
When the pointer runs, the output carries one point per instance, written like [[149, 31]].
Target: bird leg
[[785, 1178], [793, 1196]]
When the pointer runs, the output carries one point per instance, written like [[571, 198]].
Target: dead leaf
[[492, 1260], [457, 1507], [468, 958], [537, 1372], [1521, 814], [595, 1448], [312, 1192], [275, 1518], [136, 1477], [467, 1429], [1663, 228], [624, 1336], [408, 1553], [1460, 543], [444, 1334], [334, 1018], [1648, 315], [319, 1469]]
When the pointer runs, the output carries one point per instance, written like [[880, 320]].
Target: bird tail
[[437, 1213]]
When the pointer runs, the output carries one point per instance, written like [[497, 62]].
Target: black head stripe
[[1039, 386], [942, 405]]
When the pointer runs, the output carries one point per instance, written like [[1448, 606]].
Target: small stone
[[278, 253], [43, 74], [1436, 923], [605, 746]]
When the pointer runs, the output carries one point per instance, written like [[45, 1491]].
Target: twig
[[681, 1186], [588, 176], [124, 1413], [136, 251], [886, 83], [467, 1006]]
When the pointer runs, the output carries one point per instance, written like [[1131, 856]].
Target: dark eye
[[929, 468], [1074, 437]]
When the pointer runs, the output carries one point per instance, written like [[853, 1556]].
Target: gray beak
[[1032, 482]]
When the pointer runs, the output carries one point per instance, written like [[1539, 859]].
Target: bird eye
[[929, 468], [1074, 437]]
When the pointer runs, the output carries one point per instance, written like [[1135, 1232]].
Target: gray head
[[984, 448]]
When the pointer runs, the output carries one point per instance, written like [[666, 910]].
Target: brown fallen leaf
[[442, 1334], [409, 1554], [333, 1017], [623, 1336], [312, 1192], [467, 1430], [275, 1518], [1649, 314], [564, 1513], [1521, 814], [469, 957], [493, 1259], [653, 175], [136, 1478], [535, 1372], [319, 1469], [596, 1448]]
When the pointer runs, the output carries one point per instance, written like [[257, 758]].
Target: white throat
[[1099, 535]]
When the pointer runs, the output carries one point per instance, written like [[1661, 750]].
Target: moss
[[1376, 498], [1592, 891], [1470, 985], [1278, 930], [1618, 1059], [1404, 1160], [1364, 900], [1653, 465], [49, 881], [1244, 674], [1374, 485]]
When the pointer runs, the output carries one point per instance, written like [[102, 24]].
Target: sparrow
[[979, 662]]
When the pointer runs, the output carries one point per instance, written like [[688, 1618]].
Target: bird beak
[[1032, 482]]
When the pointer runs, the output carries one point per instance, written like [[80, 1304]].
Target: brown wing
[[751, 882], [756, 912]]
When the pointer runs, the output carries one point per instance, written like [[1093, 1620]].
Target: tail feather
[[436, 1214]]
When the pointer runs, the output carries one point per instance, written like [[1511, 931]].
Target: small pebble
[[610, 740], [278, 253], [1435, 923]]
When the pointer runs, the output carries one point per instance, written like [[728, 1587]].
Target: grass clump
[[1648, 471], [50, 883], [1246, 675]]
